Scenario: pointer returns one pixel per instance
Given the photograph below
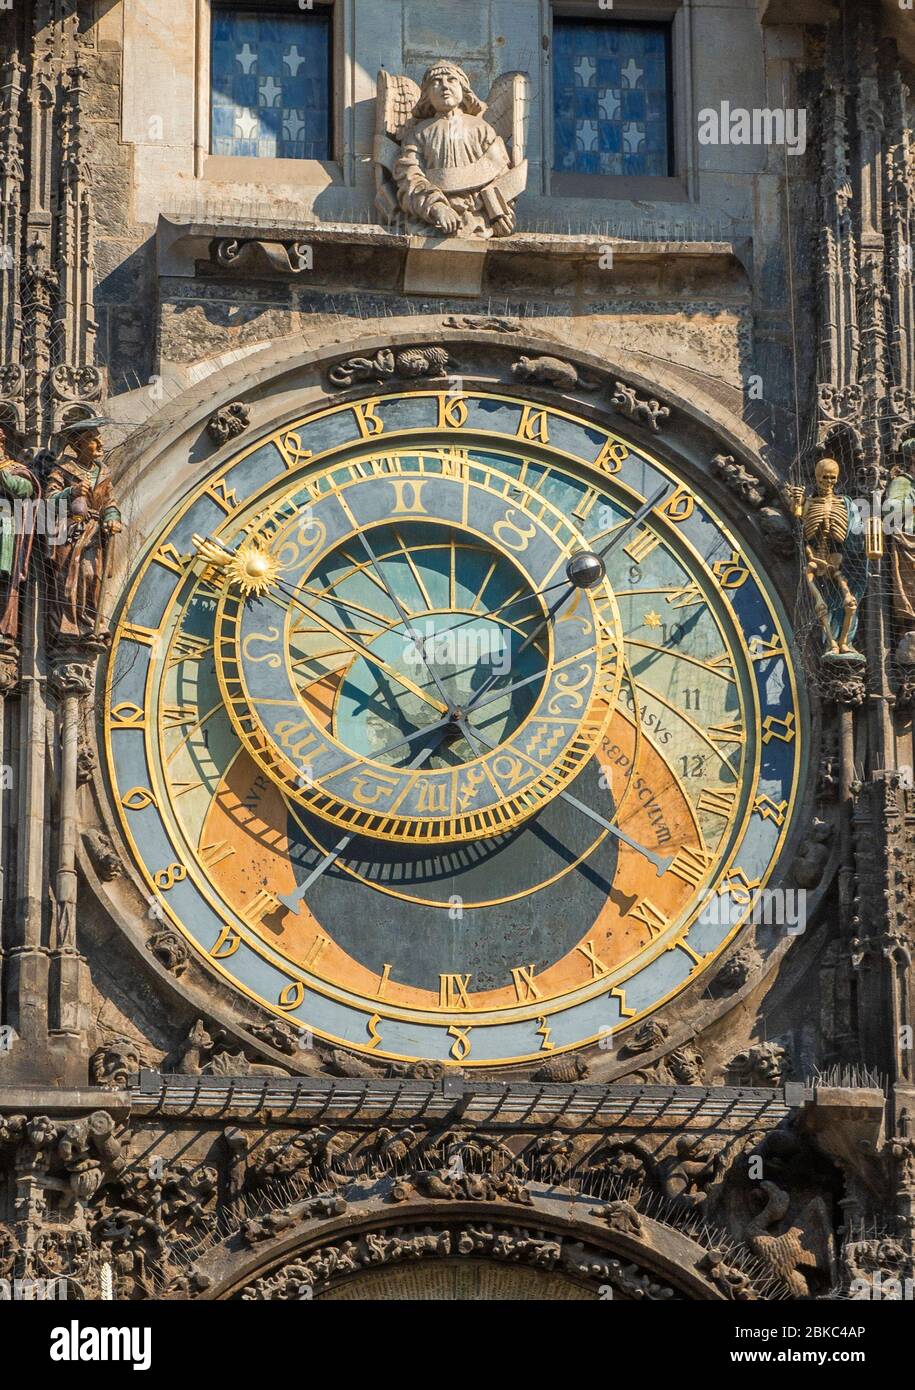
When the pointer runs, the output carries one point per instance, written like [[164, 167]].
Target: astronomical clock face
[[407, 777]]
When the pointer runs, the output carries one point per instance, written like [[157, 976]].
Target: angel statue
[[836, 564], [440, 162]]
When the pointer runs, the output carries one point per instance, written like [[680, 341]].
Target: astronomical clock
[[448, 725]]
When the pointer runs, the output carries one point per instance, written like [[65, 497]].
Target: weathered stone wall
[[148, 121]]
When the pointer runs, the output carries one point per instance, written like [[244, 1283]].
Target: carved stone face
[[444, 90], [827, 476], [769, 1064]]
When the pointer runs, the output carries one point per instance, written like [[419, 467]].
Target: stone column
[[9, 677], [71, 681], [27, 958]]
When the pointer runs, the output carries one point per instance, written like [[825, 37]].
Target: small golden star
[[652, 620]]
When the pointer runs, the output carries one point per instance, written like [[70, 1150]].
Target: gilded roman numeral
[[452, 991], [650, 916], [211, 855], [597, 965], [641, 545], [727, 733], [263, 903], [523, 980], [691, 865], [174, 716], [718, 801], [586, 504], [187, 647], [314, 951], [685, 597]]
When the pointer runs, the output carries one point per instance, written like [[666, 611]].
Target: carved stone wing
[[394, 102], [506, 111], [396, 98]]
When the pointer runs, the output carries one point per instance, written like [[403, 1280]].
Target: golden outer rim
[[544, 1008]]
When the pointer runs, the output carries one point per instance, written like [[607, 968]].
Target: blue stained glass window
[[270, 83], [611, 98]]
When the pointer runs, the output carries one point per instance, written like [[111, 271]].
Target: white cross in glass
[[246, 57], [586, 134], [245, 125], [585, 70], [293, 125], [633, 137], [293, 59], [270, 91], [609, 102]]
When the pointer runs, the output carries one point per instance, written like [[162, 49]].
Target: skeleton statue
[[836, 570], [439, 162], [900, 500]]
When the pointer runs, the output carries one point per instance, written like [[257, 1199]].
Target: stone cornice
[[690, 267]]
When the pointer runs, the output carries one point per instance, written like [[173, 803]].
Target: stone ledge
[[302, 1097], [366, 257], [48, 1100]]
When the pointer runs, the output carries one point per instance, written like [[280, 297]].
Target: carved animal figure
[[552, 371], [807, 1245], [198, 1054]]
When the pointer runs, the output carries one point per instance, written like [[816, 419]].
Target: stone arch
[[322, 1245]]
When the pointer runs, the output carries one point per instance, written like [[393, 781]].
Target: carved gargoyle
[[807, 1244], [440, 162], [199, 1054]]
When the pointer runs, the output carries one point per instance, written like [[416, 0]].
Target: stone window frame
[[253, 169], [678, 187]]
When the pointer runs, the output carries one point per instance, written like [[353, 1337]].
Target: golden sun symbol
[[249, 569]]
